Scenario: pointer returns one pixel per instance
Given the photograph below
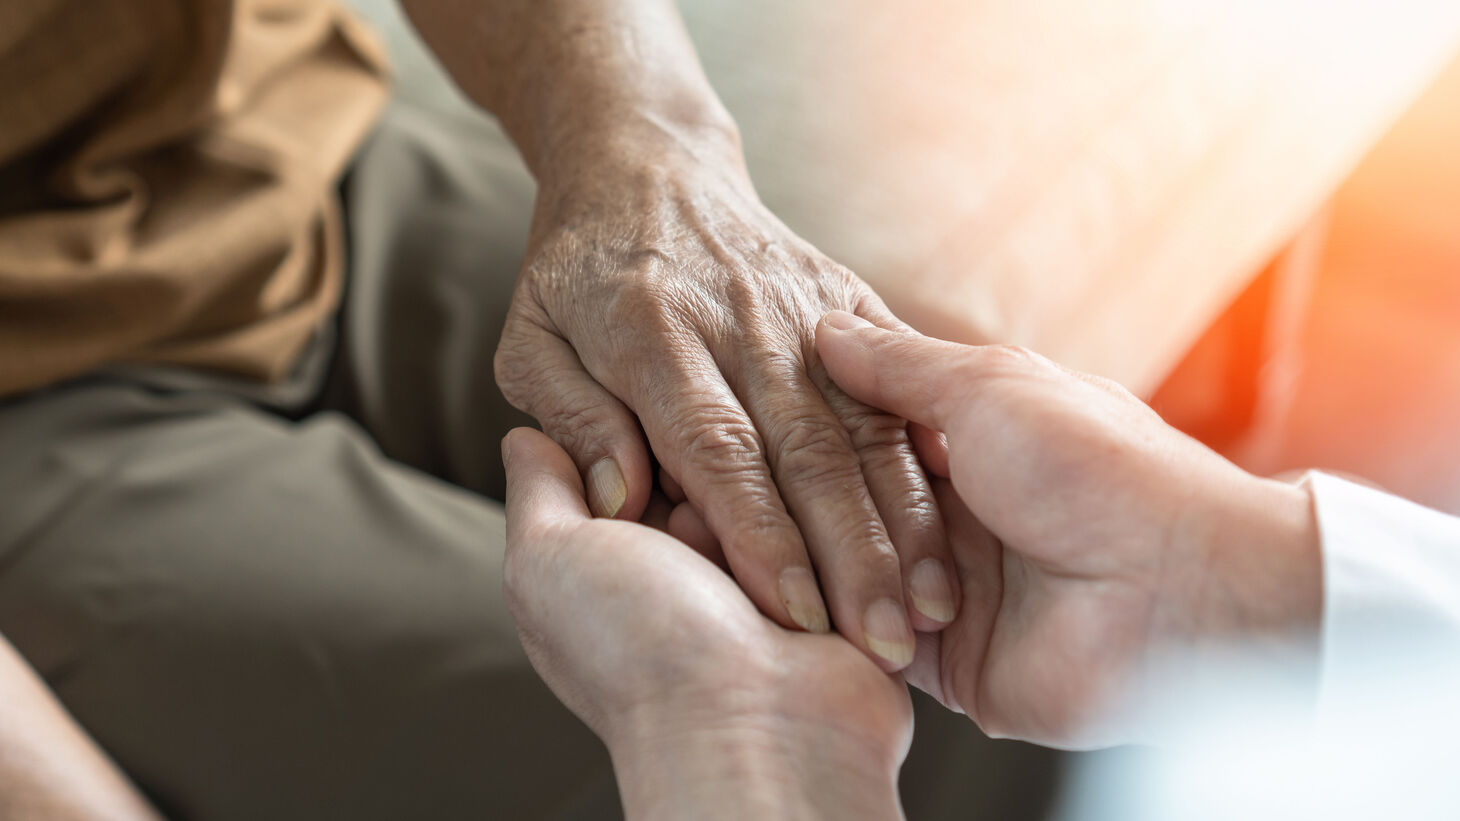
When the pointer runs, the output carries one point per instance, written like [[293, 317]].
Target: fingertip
[[844, 344], [801, 596], [618, 479], [844, 321], [522, 448], [888, 634], [904, 374], [542, 481], [770, 562]]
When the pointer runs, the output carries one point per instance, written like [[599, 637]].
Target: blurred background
[[1246, 212]]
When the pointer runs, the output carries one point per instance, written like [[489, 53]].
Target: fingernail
[[843, 321], [506, 448], [803, 600], [887, 632], [932, 593], [606, 489]]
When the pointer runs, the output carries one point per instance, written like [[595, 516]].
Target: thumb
[[922, 380], [543, 487]]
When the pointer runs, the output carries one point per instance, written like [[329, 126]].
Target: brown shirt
[[167, 180]]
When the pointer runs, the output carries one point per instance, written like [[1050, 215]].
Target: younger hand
[[708, 708], [1088, 534]]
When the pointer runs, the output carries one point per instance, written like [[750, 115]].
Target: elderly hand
[[661, 303], [708, 708], [1088, 534], [661, 300]]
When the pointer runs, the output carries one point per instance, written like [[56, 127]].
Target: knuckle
[[634, 305], [660, 333], [763, 529], [862, 559], [649, 258], [717, 438], [572, 424], [651, 308], [519, 363], [747, 291], [837, 285], [512, 362], [878, 558], [1009, 360], [892, 461], [777, 362], [917, 512], [902, 492], [814, 451], [918, 503], [882, 434]]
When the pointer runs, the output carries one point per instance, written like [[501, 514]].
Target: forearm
[[572, 80], [49, 768], [753, 772]]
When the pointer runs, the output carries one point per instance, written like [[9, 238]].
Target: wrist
[[641, 151], [1253, 573], [638, 130], [751, 767], [589, 103]]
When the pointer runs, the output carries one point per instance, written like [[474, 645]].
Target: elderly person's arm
[[663, 309], [49, 768]]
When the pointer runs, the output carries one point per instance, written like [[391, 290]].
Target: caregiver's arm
[[659, 292], [49, 768]]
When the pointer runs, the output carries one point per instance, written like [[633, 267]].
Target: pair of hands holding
[[664, 310], [1085, 534]]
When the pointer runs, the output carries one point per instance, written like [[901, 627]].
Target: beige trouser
[[286, 603]]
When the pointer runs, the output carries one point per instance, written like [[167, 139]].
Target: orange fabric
[[1377, 389], [167, 177]]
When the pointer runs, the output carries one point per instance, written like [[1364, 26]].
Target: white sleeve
[[1391, 588]]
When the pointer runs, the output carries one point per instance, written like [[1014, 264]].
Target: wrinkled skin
[[662, 308], [666, 304]]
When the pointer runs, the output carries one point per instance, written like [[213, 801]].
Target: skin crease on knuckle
[[814, 452], [728, 450], [717, 439], [914, 501], [572, 417], [516, 364], [576, 425], [871, 430]]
